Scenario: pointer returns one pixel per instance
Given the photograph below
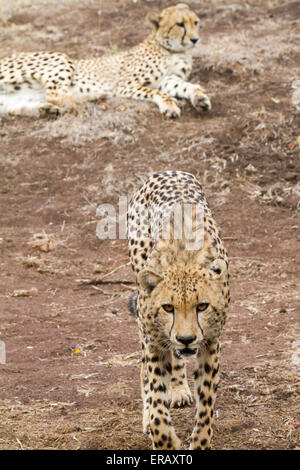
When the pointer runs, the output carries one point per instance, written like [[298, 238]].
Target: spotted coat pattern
[[155, 70], [181, 304]]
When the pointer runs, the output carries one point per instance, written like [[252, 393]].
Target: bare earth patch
[[71, 378]]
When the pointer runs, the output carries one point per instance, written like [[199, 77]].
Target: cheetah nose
[[186, 339], [194, 40]]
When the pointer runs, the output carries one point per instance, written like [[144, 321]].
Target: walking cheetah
[[155, 70], [181, 303]]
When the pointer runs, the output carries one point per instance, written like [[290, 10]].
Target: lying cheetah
[[181, 304], [155, 70]]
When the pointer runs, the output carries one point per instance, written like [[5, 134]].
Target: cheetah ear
[[182, 5], [148, 279], [217, 268], [154, 19]]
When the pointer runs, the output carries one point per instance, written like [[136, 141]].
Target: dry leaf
[[24, 292], [43, 242]]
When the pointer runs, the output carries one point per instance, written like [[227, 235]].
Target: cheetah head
[[176, 28], [187, 303]]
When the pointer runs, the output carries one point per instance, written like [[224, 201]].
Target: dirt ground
[[71, 377]]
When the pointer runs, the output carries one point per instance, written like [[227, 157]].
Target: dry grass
[[119, 121]]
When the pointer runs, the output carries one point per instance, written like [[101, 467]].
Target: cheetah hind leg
[[179, 391], [26, 102], [33, 110], [62, 100]]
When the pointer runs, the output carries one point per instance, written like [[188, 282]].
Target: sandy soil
[[71, 378]]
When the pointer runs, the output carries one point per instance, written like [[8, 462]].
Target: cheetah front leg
[[145, 393], [164, 101], [206, 381], [179, 392], [159, 368], [175, 86]]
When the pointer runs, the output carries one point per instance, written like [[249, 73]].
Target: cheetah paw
[[170, 110], [195, 445], [200, 101], [180, 397], [49, 109]]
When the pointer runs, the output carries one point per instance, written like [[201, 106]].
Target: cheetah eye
[[168, 308], [202, 307], [180, 24], [196, 23]]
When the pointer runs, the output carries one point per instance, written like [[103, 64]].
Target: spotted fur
[[192, 280], [155, 70]]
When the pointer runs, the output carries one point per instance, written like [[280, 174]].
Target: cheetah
[[181, 304], [155, 70]]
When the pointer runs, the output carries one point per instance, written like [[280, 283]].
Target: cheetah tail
[[132, 304]]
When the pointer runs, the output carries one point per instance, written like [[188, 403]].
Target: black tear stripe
[[183, 34], [172, 323]]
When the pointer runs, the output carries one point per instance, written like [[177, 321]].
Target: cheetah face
[[187, 303], [177, 28]]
